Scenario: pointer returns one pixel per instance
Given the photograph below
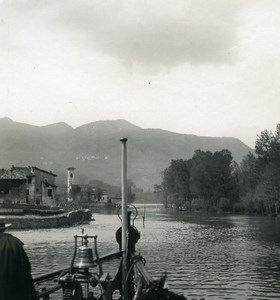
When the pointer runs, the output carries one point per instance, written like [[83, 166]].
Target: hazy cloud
[[158, 32]]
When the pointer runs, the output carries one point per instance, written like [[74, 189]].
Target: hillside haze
[[94, 149]]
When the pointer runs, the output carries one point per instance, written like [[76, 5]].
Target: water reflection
[[216, 257]]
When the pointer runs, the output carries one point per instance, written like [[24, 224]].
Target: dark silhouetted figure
[[15, 270], [162, 294], [158, 292]]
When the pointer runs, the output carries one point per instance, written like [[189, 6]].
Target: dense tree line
[[214, 181]]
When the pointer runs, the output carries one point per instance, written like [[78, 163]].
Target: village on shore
[[30, 198]]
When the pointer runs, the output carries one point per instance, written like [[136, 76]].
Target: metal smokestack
[[124, 215]]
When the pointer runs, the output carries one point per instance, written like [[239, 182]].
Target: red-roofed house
[[28, 185]]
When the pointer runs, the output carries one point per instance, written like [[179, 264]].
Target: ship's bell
[[84, 258]]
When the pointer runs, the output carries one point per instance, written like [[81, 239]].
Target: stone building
[[104, 197], [27, 185]]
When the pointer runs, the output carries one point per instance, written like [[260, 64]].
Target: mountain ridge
[[94, 149]]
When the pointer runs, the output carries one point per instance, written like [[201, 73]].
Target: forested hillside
[[214, 181]]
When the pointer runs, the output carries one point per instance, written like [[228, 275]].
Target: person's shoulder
[[11, 238]]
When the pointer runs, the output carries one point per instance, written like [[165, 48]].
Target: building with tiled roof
[[29, 185]]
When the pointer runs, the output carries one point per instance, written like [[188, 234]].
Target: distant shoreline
[[56, 221]]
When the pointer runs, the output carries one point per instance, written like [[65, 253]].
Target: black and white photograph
[[139, 149]]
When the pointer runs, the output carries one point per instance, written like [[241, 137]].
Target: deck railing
[[45, 292]]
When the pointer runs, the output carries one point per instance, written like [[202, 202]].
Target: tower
[[70, 182]]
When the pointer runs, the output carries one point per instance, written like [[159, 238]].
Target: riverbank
[[54, 221]]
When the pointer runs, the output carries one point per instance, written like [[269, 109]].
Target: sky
[[203, 67]]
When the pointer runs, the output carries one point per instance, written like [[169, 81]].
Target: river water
[[211, 257]]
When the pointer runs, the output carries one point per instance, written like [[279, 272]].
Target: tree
[[211, 176], [222, 182], [267, 146], [205, 176], [259, 177], [268, 188], [200, 175], [263, 146], [248, 174], [175, 183]]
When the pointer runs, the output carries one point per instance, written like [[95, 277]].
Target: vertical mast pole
[[124, 216]]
